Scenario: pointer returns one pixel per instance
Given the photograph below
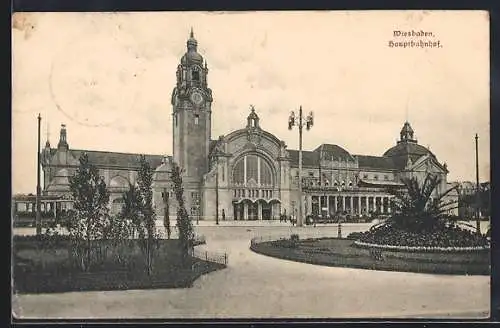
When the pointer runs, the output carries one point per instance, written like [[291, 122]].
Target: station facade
[[249, 173]]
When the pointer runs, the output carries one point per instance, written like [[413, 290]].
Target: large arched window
[[252, 169]]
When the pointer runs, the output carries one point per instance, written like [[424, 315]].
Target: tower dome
[[192, 56], [407, 148]]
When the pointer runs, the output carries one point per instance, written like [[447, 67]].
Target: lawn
[[39, 268], [343, 253]]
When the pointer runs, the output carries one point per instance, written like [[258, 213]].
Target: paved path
[[256, 286]]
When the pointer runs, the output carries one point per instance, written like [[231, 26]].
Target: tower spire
[[191, 35], [407, 108]]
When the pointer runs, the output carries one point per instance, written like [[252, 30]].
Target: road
[[256, 286]]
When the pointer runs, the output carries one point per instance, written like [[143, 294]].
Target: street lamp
[[217, 153], [339, 225], [300, 122]]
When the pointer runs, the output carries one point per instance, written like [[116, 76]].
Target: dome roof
[[192, 56], [407, 148]]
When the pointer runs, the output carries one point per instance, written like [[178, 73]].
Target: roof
[[375, 162], [31, 197], [404, 148], [381, 183], [330, 150], [309, 158], [107, 158]]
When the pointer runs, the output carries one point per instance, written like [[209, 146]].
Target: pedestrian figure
[[223, 215], [169, 231]]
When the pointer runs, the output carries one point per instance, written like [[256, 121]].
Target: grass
[[342, 253], [48, 270]]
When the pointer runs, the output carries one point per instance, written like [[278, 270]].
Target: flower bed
[[443, 239], [422, 248]]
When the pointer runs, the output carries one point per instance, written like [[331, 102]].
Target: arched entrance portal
[[253, 210]]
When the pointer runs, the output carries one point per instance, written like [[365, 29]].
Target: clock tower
[[191, 103]]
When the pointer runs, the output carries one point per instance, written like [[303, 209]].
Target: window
[[256, 168], [311, 173], [365, 176], [386, 177], [375, 177], [21, 207], [196, 76], [194, 211], [196, 119]]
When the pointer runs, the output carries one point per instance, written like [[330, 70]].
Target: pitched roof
[[115, 159], [375, 162]]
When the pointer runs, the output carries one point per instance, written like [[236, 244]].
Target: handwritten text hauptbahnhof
[[414, 39]]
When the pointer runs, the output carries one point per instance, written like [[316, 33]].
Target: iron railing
[[220, 258]]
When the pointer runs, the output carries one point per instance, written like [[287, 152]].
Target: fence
[[301, 234], [220, 258]]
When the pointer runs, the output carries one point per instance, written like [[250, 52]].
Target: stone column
[[335, 203], [352, 203], [327, 205], [245, 211], [359, 204], [382, 207], [343, 203], [259, 211], [389, 205]]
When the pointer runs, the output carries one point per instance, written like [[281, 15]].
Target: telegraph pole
[[478, 203], [38, 219]]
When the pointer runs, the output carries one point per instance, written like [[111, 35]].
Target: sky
[[109, 78]]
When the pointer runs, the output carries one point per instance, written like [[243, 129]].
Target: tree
[[146, 223], [90, 209], [415, 210], [131, 210], [184, 224], [166, 212]]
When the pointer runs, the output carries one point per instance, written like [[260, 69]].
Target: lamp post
[[300, 122], [217, 188], [38, 219], [478, 221], [339, 225]]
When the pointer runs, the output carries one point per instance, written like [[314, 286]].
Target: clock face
[[196, 98]]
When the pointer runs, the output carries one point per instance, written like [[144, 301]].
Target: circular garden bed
[[348, 253]]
